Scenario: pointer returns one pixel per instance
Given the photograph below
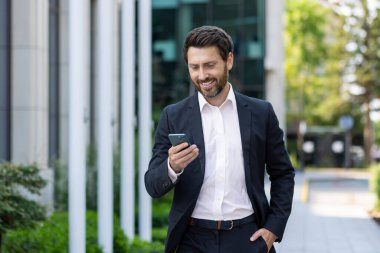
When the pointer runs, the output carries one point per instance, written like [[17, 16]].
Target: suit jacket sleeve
[[157, 180], [281, 175]]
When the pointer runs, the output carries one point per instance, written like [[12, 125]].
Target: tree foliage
[[17, 211], [362, 21], [333, 62], [314, 46]]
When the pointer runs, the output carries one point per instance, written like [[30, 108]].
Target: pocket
[[265, 247]]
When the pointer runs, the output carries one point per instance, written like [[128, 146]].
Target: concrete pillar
[[78, 56], [30, 82], [127, 173], [275, 57], [64, 15], [145, 115], [116, 71], [104, 123]]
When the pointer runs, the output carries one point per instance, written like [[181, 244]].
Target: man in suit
[[219, 203]]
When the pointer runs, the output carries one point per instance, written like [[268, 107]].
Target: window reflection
[[53, 80], [172, 19], [5, 80]]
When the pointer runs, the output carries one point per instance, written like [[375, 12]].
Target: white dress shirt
[[223, 195]]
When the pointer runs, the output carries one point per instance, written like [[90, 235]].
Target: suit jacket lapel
[[195, 125], [244, 115]]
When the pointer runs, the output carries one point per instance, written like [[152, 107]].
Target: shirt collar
[[230, 97]]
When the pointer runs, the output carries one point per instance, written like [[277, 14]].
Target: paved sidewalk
[[330, 215]]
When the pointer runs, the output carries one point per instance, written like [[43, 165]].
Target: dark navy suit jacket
[[263, 149]]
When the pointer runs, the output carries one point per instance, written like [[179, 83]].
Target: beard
[[219, 85]]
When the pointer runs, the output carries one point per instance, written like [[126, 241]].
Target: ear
[[230, 60]]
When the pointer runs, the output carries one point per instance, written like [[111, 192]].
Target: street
[[330, 214]]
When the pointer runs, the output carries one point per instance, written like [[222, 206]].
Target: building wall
[[30, 72], [274, 90]]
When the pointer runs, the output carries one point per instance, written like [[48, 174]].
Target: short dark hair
[[207, 36]]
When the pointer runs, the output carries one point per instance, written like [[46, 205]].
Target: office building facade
[[34, 65]]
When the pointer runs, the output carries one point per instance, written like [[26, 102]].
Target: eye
[[194, 67], [210, 65]]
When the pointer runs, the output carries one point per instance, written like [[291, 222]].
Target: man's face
[[208, 71]]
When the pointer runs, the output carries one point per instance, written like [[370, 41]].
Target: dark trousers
[[201, 240]]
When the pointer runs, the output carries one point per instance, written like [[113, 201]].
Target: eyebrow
[[206, 63]]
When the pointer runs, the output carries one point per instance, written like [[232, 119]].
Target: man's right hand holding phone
[[182, 155]]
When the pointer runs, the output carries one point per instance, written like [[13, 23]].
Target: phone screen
[[177, 139]]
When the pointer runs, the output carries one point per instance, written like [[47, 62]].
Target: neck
[[220, 98]]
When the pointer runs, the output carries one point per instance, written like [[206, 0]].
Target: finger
[[183, 158], [182, 153], [256, 235], [188, 158], [178, 148], [186, 151], [179, 164]]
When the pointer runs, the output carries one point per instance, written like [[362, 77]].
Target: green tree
[[363, 24], [315, 52], [17, 211], [377, 133]]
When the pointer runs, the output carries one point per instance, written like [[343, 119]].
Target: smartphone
[[177, 139]]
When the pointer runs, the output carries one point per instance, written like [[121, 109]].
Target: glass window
[[173, 19], [247, 29], [5, 80], [53, 80]]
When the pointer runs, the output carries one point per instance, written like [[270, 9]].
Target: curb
[[305, 191]]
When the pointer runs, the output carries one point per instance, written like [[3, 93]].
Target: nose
[[202, 74]]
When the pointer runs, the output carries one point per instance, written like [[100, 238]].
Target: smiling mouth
[[207, 85]]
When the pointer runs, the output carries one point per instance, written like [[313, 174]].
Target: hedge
[[375, 184], [52, 236]]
